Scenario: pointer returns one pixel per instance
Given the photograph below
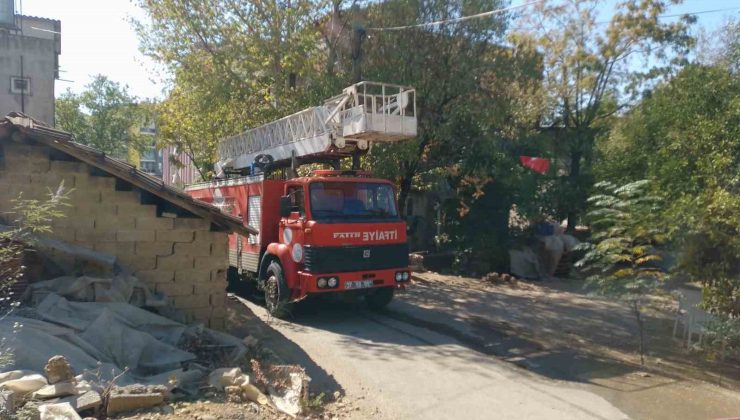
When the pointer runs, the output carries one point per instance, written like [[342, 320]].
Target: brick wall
[[177, 256]]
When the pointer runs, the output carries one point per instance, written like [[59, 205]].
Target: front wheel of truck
[[276, 292], [379, 298]]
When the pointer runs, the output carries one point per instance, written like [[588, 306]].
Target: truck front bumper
[[350, 281]]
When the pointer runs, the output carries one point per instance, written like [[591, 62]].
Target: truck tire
[[276, 292], [380, 298]]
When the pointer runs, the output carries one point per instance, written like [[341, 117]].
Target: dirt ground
[[538, 315]]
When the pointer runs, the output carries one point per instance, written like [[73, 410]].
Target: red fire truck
[[331, 230]]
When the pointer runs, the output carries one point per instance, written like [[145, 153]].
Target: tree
[[685, 137], [104, 116], [234, 65], [622, 259], [592, 72]]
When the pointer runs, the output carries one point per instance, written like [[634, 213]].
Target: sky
[[98, 39]]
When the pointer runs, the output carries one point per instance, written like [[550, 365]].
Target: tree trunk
[[575, 173], [405, 186], [641, 329]]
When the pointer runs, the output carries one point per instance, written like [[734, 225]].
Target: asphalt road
[[394, 370]]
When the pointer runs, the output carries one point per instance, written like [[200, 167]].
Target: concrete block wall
[[179, 257]]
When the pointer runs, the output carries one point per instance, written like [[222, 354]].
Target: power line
[[506, 9], [460, 19]]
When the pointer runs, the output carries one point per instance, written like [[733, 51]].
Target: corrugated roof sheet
[[63, 141]]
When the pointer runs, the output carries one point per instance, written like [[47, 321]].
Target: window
[[364, 201], [296, 200], [20, 85]]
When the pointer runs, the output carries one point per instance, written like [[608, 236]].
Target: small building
[[29, 63], [170, 241]]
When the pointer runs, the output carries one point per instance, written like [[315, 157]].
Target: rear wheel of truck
[[276, 292], [380, 298]]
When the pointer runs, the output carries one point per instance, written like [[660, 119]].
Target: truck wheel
[[380, 298], [276, 292]]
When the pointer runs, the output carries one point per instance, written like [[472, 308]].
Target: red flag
[[536, 164]]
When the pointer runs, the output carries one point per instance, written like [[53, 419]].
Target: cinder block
[[14, 178], [121, 403], [62, 166], [217, 324], [154, 248], [113, 221], [192, 276], [210, 263], [208, 288], [53, 180], [218, 299], [119, 197], [115, 248], [94, 208], [95, 235], [85, 197], [136, 210], [194, 249], [135, 235], [192, 301], [219, 312], [175, 289], [202, 314], [102, 183], [66, 234], [153, 223], [211, 237], [175, 262], [137, 262], [156, 276], [175, 235], [219, 275], [192, 223], [220, 249]]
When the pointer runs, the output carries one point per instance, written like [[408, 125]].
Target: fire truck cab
[[332, 231]]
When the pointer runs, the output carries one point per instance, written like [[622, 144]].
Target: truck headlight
[[333, 282], [399, 276], [405, 275], [322, 283]]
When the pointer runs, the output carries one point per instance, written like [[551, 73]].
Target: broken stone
[[58, 369], [121, 403], [252, 393], [7, 402], [62, 411], [61, 389], [224, 377], [87, 401], [233, 394], [25, 384]]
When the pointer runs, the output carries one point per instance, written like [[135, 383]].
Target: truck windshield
[[352, 200]]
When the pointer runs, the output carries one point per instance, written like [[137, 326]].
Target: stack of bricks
[[179, 257]]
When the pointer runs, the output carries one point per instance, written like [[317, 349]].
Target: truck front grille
[[355, 258]]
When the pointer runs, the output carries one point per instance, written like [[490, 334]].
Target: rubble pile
[[503, 278], [92, 346]]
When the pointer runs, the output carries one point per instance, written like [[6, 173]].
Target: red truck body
[[341, 233]]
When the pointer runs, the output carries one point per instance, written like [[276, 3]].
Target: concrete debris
[[416, 263], [59, 411], [233, 394], [496, 278], [287, 385], [60, 389], [252, 393], [57, 369], [224, 377], [90, 400], [7, 402], [250, 341], [24, 384], [121, 403]]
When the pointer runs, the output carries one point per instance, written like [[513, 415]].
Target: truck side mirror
[[285, 206]]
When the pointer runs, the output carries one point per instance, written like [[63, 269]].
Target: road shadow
[[242, 322]]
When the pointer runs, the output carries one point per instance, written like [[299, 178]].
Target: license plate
[[361, 284]]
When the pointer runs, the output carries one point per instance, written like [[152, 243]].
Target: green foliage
[[586, 67], [622, 259], [105, 116], [30, 217], [685, 137]]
